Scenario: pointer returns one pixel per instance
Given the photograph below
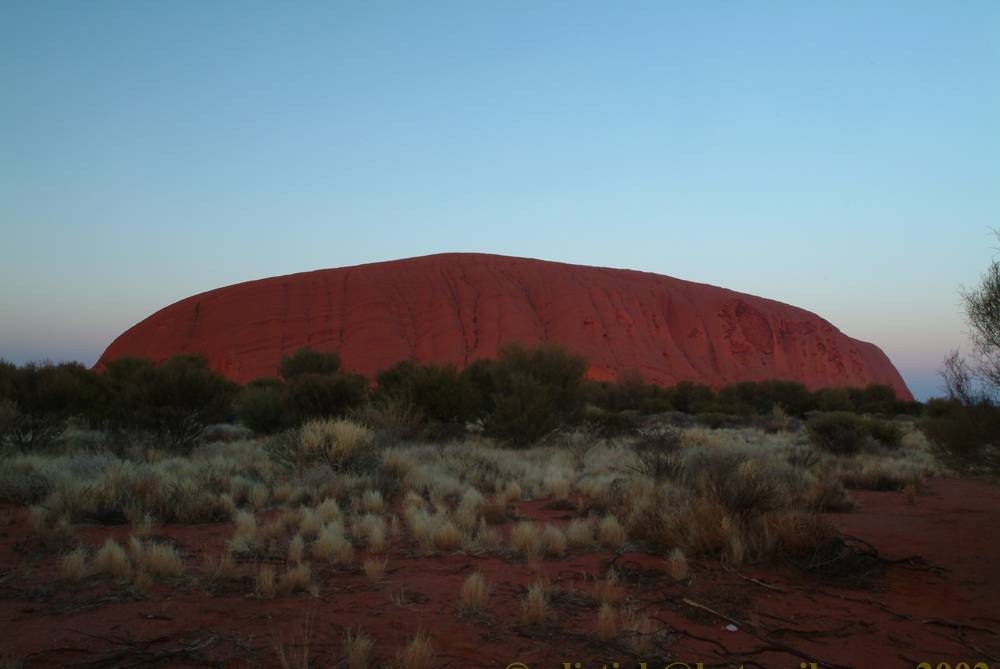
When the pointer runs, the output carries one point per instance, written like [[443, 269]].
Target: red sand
[[916, 615], [459, 307]]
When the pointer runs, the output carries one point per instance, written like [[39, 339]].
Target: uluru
[[458, 307]]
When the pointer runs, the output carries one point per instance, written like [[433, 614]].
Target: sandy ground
[[935, 599]]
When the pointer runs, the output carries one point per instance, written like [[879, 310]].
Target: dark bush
[[611, 423], [691, 398], [534, 391], [833, 399], [41, 397], [307, 361], [885, 432], [310, 395], [479, 385], [965, 437], [628, 392], [658, 403], [174, 400], [838, 432], [435, 390], [261, 407], [875, 398], [716, 420]]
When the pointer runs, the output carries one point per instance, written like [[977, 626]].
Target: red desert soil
[[458, 307], [943, 606]]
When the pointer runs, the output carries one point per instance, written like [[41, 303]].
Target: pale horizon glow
[[840, 157]]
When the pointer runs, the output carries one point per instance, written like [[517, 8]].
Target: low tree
[[981, 380], [966, 428]]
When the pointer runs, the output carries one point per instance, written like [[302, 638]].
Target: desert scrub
[[845, 433], [343, 444], [24, 480]]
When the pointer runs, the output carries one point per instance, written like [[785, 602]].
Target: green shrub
[[535, 390]]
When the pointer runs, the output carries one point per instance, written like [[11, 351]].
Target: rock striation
[[457, 307]]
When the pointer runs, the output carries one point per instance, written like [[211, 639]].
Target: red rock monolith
[[457, 307]]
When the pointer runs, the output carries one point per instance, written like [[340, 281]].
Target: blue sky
[[843, 156]]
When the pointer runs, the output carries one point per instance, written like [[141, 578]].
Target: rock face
[[459, 307]]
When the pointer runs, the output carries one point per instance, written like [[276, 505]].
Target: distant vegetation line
[[519, 397]]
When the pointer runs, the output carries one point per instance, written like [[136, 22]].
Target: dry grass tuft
[[328, 511], [535, 606], [677, 565], [487, 537], [295, 579], [640, 632], [135, 549], [296, 549], [335, 440], [265, 586], [246, 527], [580, 533], [144, 528], [372, 502], [474, 594], [310, 523], [73, 566], [375, 568], [609, 590], [417, 654], [330, 542], [447, 537], [552, 541], [512, 493], [607, 622], [525, 539], [161, 560], [112, 560], [357, 649], [611, 533]]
